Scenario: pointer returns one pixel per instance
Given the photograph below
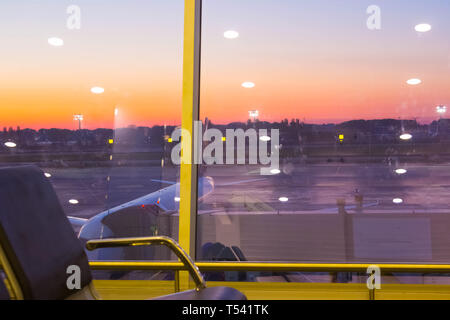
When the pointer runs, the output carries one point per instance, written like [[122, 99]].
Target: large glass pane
[[90, 92], [357, 92]]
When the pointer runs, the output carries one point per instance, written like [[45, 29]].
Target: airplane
[[137, 217]]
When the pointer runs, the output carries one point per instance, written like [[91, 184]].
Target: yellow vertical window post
[[190, 114]]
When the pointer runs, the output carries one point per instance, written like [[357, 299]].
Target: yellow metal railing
[[280, 267], [11, 283], [277, 267], [186, 260], [270, 266]]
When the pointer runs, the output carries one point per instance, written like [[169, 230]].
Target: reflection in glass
[[94, 116], [248, 85], [97, 90], [231, 34], [363, 149], [10, 144], [56, 42], [406, 136], [423, 27], [414, 82]]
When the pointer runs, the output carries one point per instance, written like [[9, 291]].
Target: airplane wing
[[77, 222], [239, 182], [165, 199], [164, 181]]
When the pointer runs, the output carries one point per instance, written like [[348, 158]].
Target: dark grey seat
[[35, 235], [39, 244]]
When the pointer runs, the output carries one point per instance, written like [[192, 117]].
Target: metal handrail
[[271, 266], [187, 263]]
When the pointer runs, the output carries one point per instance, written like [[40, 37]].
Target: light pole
[[79, 118], [253, 114], [441, 110]]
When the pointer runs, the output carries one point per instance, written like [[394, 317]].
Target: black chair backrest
[[36, 236]]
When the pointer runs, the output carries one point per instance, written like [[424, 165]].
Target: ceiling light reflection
[[10, 144], [231, 34], [406, 136], [422, 27], [401, 171], [248, 85], [97, 90], [275, 171], [397, 200], [414, 82], [56, 42]]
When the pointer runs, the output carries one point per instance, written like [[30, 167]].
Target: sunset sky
[[310, 59]]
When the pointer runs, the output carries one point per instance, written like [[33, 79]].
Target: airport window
[[324, 129], [91, 92], [326, 132]]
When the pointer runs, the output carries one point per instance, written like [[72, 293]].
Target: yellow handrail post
[[11, 282], [190, 114]]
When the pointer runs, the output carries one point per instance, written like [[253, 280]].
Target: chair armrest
[[146, 241]]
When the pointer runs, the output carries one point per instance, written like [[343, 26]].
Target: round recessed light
[[56, 42], [397, 200], [264, 138], [248, 85], [231, 34], [422, 27], [283, 199], [414, 82], [73, 201], [97, 90], [406, 136], [177, 199], [10, 144], [401, 171], [275, 171], [48, 175]]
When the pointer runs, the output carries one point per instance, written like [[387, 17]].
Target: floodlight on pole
[[441, 109], [253, 114], [79, 118]]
